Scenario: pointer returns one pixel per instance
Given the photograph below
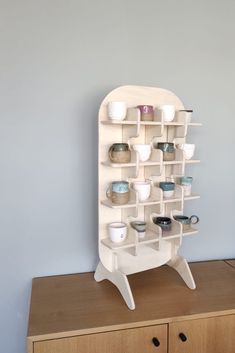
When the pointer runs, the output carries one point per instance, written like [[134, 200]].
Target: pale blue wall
[[58, 59]]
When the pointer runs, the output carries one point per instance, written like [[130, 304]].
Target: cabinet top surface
[[77, 303]]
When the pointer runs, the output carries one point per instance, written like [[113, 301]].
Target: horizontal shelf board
[[170, 235], [127, 243], [108, 203], [151, 123], [118, 165], [188, 161], [172, 162], [147, 164], [149, 202], [171, 199], [190, 232], [192, 197]]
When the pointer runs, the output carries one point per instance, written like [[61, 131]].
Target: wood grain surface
[[77, 304]]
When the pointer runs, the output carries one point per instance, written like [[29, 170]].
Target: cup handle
[[194, 219], [108, 192], [110, 152]]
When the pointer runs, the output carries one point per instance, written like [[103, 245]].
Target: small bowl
[[140, 226], [163, 222], [167, 185]]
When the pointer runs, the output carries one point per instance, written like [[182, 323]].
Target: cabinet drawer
[[212, 335], [137, 340]]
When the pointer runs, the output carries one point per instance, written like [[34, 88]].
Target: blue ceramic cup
[[168, 188], [118, 192], [167, 185]]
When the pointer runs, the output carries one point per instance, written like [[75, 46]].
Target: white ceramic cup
[[143, 150], [143, 189], [168, 193], [117, 110], [187, 189], [188, 149], [168, 112], [184, 115], [117, 231]]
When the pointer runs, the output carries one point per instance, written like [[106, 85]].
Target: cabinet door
[[212, 335], [139, 340]]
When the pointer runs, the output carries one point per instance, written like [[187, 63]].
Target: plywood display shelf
[[135, 254]]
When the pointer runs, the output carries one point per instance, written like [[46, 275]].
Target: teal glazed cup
[[168, 150], [186, 182], [118, 192], [168, 188], [140, 227], [187, 221], [120, 153]]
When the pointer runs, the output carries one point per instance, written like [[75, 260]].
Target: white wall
[[58, 60]]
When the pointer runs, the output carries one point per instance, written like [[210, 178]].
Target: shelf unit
[[117, 260]]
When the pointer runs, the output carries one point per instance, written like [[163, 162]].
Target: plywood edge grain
[[230, 262], [29, 343], [130, 325]]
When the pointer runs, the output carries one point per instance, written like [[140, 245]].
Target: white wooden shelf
[[158, 247]]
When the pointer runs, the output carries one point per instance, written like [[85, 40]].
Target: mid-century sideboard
[[75, 314]]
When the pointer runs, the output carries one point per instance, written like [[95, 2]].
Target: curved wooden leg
[[182, 267], [119, 280]]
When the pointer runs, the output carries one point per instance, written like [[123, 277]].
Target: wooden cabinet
[[213, 335], [137, 340], [75, 314]]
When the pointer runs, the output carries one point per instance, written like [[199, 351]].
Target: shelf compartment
[[127, 243], [154, 199], [148, 257]]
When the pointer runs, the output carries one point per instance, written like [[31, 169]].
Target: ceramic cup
[[143, 150], [117, 231], [168, 150], [163, 222], [186, 182], [143, 189], [146, 112], [117, 110], [118, 192], [184, 115], [168, 188], [187, 221], [120, 153], [140, 227], [168, 112], [188, 149]]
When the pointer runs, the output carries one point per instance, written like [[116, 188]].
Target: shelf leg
[[182, 267], [119, 280]]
